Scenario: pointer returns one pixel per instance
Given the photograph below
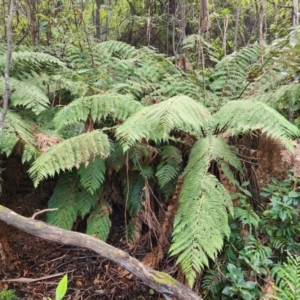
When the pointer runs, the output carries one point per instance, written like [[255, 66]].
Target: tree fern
[[114, 106], [157, 121], [70, 153], [247, 216]]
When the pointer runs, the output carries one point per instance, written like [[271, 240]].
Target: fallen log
[[159, 281]]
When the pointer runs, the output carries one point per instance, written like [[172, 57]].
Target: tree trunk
[[7, 64], [159, 281], [237, 22], [295, 13], [204, 19], [97, 20]]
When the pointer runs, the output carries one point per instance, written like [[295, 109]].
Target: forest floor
[[33, 267]]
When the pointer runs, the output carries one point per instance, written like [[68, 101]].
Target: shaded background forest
[[123, 113]]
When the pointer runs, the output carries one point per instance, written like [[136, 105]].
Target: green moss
[[38, 225], [2, 207], [163, 278]]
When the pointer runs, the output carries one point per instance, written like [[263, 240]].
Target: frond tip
[[70, 153]]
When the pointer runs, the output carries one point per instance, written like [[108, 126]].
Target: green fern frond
[[287, 278], [230, 74], [119, 49], [85, 201], [212, 282], [115, 106], [98, 223], [247, 216], [203, 209], [64, 199], [28, 95], [134, 192], [168, 169], [117, 157], [30, 153], [23, 62], [239, 117], [15, 130], [201, 223], [157, 121], [70, 153], [92, 175]]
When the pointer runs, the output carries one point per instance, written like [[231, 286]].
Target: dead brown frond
[[292, 160], [44, 142]]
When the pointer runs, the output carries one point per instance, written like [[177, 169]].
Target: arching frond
[[239, 117], [230, 74], [26, 61], [201, 224], [70, 153], [203, 209], [115, 106], [156, 122], [28, 95]]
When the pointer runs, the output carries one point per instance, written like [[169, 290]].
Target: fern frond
[[15, 129], [230, 74], [240, 117], [23, 62], [117, 157], [157, 121], [64, 199], [247, 216], [98, 223], [115, 106], [85, 201], [287, 278], [70, 153], [28, 95], [201, 224], [168, 169], [92, 175], [134, 192]]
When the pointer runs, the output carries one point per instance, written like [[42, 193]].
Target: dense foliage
[[117, 124]]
